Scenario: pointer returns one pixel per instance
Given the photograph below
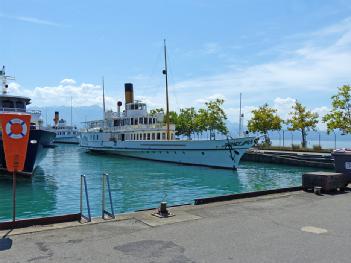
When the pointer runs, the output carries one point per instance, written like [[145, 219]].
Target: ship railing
[[140, 127], [12, 109], [104, 212], [36, 112], [83, 184]]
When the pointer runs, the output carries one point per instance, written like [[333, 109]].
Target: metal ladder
[[83, 182], [104, 212]]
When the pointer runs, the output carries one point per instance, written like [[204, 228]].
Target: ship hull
[[67, 140], [39, 141], [215, 153]]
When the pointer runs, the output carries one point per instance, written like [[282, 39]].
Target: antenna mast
[[71, 113], [240, 118], [4, 80], [103, 98], [166, 77]]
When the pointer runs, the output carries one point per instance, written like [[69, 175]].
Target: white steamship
[[64, 133], [136, 133]]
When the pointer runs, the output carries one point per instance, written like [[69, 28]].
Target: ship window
[[153, 136], [140, 136], [154, 120], [158, 136], [148, 136], [144, 136], [20, 105], [136, 121], [131, 121], [145, 120], [7, 104], [150, 120], [163, 136]]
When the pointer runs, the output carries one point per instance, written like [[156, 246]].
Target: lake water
[[135, 184]]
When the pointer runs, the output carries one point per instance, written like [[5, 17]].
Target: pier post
[[14, 197]]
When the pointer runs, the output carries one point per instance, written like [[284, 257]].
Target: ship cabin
[[135, 123], [10, 103]]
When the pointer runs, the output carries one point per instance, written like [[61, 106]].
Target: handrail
[[84, 181], [105, 178], [7, 109]]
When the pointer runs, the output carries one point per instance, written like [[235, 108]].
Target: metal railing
[[104, 212], [83, 183]]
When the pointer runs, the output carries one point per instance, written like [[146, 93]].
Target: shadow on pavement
[[5, 242]]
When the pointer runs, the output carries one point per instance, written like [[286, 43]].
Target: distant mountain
[[79, 114]]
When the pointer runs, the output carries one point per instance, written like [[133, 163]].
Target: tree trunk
[[304, 141]]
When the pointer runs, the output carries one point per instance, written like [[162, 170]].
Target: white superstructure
[[64, 133], [136, 133]]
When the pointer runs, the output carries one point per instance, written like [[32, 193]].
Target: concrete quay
[[286, 227], [306, 159]]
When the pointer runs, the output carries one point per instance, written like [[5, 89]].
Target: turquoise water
[[135, 184]]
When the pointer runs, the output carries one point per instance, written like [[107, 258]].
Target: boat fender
[[18, 135]]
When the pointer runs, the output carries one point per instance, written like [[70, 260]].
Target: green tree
[[185, 124], [264, 119], [302, 120], [340, 115], [201, 121], [173, 117], [154, 112], [215, 117]]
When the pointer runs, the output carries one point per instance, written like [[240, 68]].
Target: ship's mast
[[103, 98], [71, 113], [240, 117], [4, 80], [166, 78]]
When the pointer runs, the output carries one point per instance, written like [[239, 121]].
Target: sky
[[270, 51]]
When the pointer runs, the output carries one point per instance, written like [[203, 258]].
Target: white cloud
[[32, 20], [283, 106], [84, 94], [68, 82], [313, 67], [211, 48]]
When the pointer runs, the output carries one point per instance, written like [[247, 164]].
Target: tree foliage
[[189, 121], [264, 119], [302, 120], [154, 112], [340, 115], [185, 124], [215, 116]]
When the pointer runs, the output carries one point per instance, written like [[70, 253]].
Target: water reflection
[[135, 184], [35, 196]]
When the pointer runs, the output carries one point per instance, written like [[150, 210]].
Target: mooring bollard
[[162, 211], [163, 208]]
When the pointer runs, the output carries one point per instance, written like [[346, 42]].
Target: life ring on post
[[16, 135]]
